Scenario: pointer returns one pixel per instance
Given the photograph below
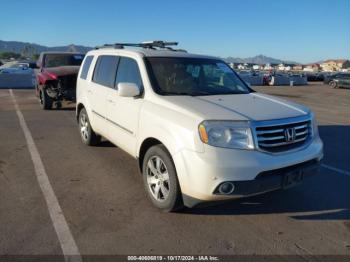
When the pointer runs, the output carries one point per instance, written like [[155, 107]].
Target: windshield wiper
[[187, 94], [202, 93], [176, 94]]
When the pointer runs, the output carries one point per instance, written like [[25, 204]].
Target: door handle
[[89, 91], [111, 101]]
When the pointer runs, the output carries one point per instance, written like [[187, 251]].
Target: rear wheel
[[45, 101], [333, 84], [160, 179], [88, 136]]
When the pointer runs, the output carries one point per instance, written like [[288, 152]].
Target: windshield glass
[[54, 60], [193, 77]]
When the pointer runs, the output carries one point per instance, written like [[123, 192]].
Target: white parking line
[[67, 242], [347, 173]]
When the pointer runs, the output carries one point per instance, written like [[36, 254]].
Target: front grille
[[274, 138], [68, 81]]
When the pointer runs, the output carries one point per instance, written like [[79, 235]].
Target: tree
[[28, 51], [35, 57], [9, 55]]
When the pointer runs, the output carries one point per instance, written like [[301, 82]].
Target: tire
[[160, 179], [333, 84], [37, 91], [58, 104], [45, 101], [87, 134]]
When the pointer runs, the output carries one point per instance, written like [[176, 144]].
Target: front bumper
[[275, 179], [252, 172]]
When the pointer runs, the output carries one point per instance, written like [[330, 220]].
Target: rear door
[[102, 81], [123, 112]]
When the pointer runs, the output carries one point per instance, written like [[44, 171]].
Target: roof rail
[[158, 43], [149, 44], [116, 46]]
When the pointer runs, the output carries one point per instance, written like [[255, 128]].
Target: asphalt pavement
[[105, 207]]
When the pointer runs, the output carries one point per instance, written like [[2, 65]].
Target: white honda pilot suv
[[198, 131]]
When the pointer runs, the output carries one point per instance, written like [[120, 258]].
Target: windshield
[[54, 60], [193, 77]]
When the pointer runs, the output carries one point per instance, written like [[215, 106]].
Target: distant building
[[232, 65], [285, 67], [268, 67], [245, 66], [335, 65], [241, 67], [298, 67], [258, 67], [312, 67]]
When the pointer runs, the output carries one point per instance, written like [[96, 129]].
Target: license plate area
[[292, 179]]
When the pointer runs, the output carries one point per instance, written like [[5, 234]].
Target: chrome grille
[[275, 138]]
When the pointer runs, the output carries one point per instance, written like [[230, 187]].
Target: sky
[[298, 30]]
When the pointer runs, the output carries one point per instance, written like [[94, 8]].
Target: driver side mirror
[[128, 90]]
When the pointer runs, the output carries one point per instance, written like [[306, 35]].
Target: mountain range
[[259, 59], [29, 49]]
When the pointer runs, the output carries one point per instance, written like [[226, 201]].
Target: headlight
[[228, 134], [314, 125]]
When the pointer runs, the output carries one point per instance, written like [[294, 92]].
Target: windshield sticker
[[225, 68]]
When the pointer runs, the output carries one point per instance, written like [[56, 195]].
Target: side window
[[105, 70], [86, 66], [128, 71]]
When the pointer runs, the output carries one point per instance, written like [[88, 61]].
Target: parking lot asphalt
[[101, 194]]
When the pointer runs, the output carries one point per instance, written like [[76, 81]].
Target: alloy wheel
[[158, 178], [84, 126]]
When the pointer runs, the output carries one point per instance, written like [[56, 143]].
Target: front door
[[123, 112]]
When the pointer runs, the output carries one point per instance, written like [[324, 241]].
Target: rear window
[[55, 60], [105, 70], [86, 66]]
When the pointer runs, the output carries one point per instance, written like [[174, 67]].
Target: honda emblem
[[289, 134]]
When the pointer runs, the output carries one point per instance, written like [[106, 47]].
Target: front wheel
[[44, 99], [333, 84], [88, 136], [160, 179]]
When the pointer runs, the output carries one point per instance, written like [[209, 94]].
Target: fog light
[[226, 188]]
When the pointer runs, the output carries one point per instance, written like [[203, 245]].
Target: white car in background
[[198, 131], [16, 68]]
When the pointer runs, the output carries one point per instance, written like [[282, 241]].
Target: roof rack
[[149, 44]]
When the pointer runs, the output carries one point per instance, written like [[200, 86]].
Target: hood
[[253, 106], [63, 70]]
